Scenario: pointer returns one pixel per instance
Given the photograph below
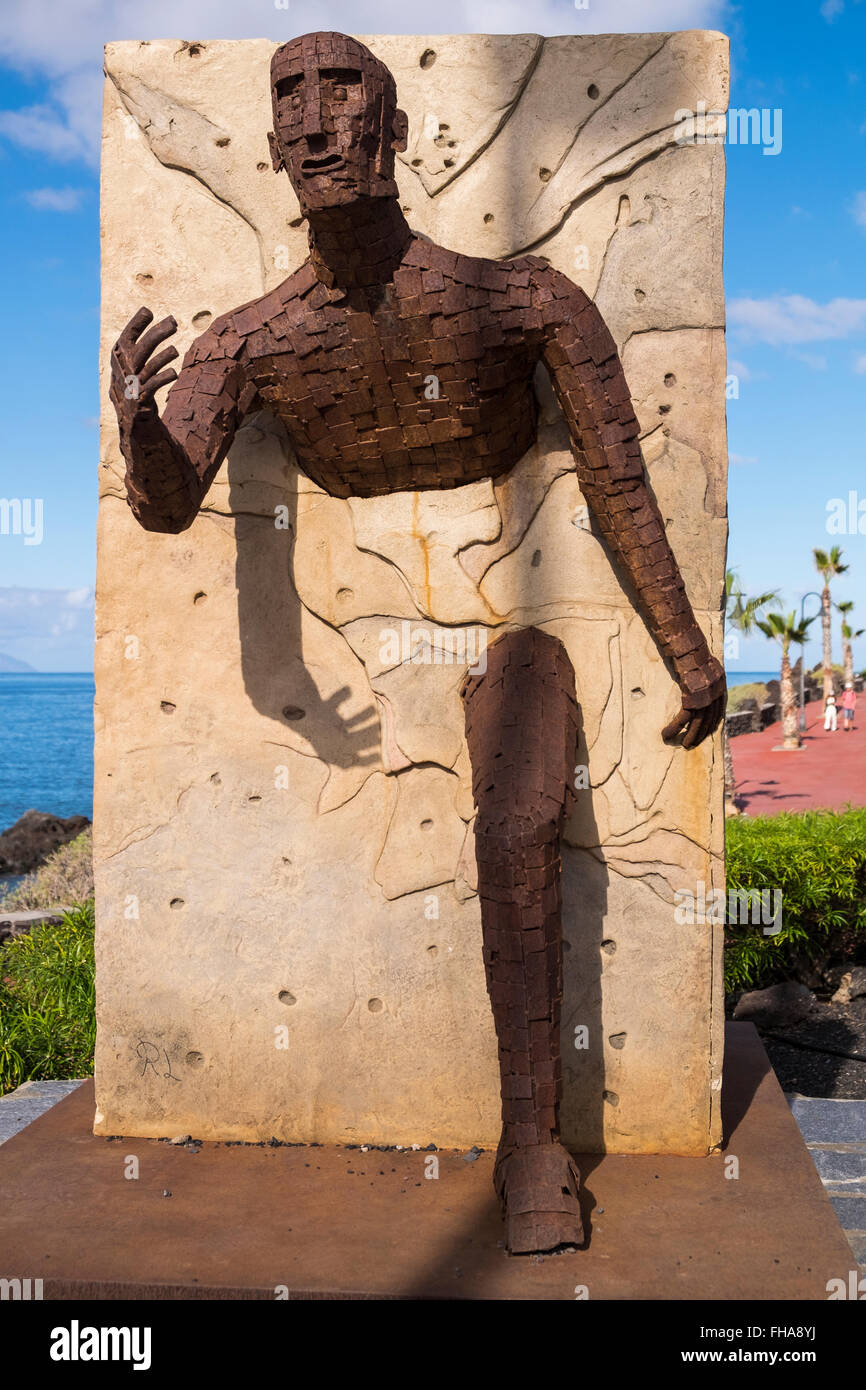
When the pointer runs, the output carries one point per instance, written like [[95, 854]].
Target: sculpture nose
[[312, 119]]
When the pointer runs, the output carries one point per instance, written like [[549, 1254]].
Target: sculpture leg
[[521, 729]]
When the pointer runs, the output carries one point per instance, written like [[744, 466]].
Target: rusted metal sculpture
[[344, 351]]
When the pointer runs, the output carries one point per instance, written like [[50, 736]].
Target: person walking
[[849, 703], [830, 714]]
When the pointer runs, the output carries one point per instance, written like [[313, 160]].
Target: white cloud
[[55, 199], [859, 209], [739, 369], [794, 318], [831, 8], [44, 129], [736, 459], [65, 50], [860, 364], [816, 360], [50, 629], [79, 598]]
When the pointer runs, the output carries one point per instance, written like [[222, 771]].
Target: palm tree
[[786, 630], [741, 613], [848, 635], [828, 566]]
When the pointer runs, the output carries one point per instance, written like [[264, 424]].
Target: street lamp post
[[811, 594]]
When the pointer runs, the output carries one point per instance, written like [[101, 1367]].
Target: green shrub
[[66, 877], [757, 690], [47, 1002], [817, 859]]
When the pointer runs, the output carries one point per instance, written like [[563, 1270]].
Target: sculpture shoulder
[[233, 334], [550, 286], [533, 294], [478, 272]]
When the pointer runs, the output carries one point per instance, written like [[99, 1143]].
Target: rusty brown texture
[[335, 1223], [396, 364]]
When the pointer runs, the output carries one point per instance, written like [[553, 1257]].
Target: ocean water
[[750, 677], [46, 745]]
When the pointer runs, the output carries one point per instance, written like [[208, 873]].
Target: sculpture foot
[[538, 1189]]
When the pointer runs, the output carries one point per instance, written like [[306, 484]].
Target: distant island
[[11, 663]]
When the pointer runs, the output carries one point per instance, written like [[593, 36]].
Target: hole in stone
[[223, 141], [285, 996], [428, 58], [608, 946], [432, 950], [611, 1097], [637, 693], [293, 712], [261, 166], [639, 295], [617, 1040], [375, 1006], [167, 707], [443, 125], [416, 162], [449, 163], [216, 779], [176, 903], [566, 945], [202, 318], [592, 92], [194, 50], [144, 278], [664, 409], [406, 209], [544, 174], [536, 559], [194, 1059], [452, 144], [488, 217], [295, 221], [670, 379], [199, 597], [254, 798], [427, 824], [345, 593]]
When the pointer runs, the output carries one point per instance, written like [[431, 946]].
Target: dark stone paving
[[30, 1101], [835, 1134]]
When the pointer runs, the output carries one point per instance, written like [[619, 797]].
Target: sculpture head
[[336, 122]]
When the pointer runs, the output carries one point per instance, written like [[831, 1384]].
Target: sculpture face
[[336, 123]]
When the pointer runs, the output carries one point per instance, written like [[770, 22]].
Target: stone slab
[[830, 1121], [331, 1222], [261, 873], [840, 1166], [30, 1100], [850, 1209]]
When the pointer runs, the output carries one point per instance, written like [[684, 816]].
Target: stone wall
[[288, 931]]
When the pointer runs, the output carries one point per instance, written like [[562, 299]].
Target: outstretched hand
[[700, 715], [136, 375]]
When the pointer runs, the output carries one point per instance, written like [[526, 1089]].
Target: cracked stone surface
[[288, 927]]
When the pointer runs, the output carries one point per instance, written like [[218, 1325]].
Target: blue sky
[[795, 244]]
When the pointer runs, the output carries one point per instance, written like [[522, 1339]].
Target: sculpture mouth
[[324, 164]]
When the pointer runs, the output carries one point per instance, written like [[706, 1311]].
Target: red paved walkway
[[831, 772]]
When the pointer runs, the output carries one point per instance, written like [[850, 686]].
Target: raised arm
[[171, 462], [590, 384]]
